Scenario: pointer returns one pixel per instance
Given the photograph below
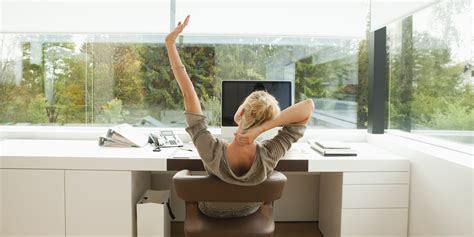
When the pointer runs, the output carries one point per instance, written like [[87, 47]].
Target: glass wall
[[431, 72], [104, 79]]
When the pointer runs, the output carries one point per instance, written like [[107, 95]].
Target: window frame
[[436, 142], [92, 132]]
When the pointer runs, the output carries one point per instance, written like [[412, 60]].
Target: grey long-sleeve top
[[212, 152]]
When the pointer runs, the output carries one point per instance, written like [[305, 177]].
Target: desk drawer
[[374, 222], [375, 196], [376, 178]]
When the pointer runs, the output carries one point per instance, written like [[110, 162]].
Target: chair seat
[[259, 224]]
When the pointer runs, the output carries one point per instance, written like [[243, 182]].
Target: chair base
[[259, 224]]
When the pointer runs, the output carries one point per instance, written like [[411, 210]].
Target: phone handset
[[166, 138]]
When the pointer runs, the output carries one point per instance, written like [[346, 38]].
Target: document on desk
[[332, 148]]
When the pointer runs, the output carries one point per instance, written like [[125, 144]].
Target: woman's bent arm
[[299, 113], [191, 100]]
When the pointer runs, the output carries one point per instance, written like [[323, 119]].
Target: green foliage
[[115, 82], [362, 84], [84, 87], [324, 80], [401, 63], [243, 62], [427, 86], [36, 110], [309, 80], [128, 83], [207, 66], [14, 102], [122, 82], [212, 108], [453, 117], [112, 112], [161, 90]]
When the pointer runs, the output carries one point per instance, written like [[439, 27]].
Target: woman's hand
[[171, 37], [249, 137]]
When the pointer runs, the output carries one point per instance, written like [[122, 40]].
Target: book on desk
[[332, 148], [123, 135]]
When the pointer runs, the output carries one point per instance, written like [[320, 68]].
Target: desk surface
[[87, 155]]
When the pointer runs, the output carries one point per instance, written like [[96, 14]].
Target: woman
[[243, 161]]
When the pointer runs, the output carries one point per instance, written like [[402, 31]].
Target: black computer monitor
[[235, 92]]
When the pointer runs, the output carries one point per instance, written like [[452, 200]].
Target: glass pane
[[431, 83], [41, 80], [108, 79]]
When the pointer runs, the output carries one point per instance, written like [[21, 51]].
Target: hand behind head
[[247, 137]]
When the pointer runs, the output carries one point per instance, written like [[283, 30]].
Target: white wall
[[441, 192]]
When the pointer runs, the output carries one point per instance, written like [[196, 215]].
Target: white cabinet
[[103, 203], [375, 196], [364, 204], [32, 203], [54, 203], [374, 222], [376, 178]]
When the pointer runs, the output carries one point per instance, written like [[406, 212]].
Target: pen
[[185, 149]]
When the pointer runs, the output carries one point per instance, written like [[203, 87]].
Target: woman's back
[[240, 157], [251, 171]]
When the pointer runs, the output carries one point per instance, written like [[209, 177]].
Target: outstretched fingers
[[181, 26], [186, 20]]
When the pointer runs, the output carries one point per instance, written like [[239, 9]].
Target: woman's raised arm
[[191, 100]]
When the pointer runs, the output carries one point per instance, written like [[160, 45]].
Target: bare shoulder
[[240, 158]]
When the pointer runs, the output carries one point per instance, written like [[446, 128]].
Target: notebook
[[332, 148]]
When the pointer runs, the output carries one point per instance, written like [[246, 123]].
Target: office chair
[[205, 188]]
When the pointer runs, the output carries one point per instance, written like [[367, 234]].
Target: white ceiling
[[321, 18], [384, 12]]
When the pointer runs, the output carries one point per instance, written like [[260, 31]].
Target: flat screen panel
[[235, 92]]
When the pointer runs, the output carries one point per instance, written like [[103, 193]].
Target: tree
[[427, 87], [401, 73], [162, 91]]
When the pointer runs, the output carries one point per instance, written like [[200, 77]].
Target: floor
[[282, 229]]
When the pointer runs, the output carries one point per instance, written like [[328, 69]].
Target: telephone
[[165, 138]]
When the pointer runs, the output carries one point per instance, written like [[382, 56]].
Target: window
[[109, 79], [98, 78], [431, 86]]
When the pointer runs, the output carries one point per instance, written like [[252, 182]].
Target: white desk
[[87, 155], [72, 183]]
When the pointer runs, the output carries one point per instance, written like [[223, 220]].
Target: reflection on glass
[[431, 83], [108, 79]]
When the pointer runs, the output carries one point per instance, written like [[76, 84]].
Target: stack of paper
[[123, 135], [332, 148]]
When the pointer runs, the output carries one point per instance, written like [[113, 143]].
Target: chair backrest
[[206, 188]]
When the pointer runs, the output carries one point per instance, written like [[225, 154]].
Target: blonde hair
[[259, 106]]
